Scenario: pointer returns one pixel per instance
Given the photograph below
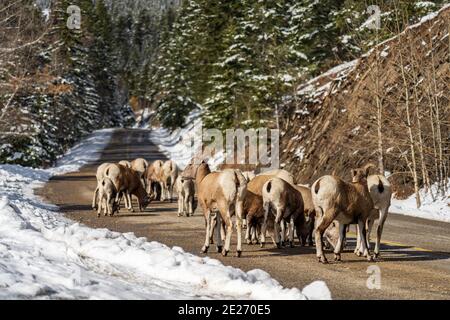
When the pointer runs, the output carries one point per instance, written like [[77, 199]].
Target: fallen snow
[[46, 256], [434, 209]]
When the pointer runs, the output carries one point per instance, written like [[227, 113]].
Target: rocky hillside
[[391, 107]]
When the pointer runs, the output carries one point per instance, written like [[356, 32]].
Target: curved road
[[414, 263]]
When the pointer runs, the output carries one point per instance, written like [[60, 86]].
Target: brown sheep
[[335, 199]]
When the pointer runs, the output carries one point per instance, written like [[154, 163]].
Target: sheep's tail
[[317, 187], [380, 185], [269, 186]]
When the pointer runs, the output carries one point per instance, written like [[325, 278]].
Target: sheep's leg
[[248, 232], [338, 247], [276, 232], [108, 205], [191, 205], [229, 226], [358, 243], [362, 238], [130, 201], [383, 216], [94, 199], [213, 224], [186, 205], [254, 233], [369, 225], [291, 232], [238, 210], [99, 207], [163, 191], [282, 226], [180, 205], [322, 224], [264, 226], [218, 233], [208, 231]]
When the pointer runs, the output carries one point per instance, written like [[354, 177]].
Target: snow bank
[[434, 209], [45, 256]]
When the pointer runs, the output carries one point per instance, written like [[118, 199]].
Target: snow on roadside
[[46, 256], [434, 209]]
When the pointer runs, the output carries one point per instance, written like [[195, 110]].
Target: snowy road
[[415, 262]]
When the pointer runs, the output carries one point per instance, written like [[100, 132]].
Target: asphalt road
[[415, 253]]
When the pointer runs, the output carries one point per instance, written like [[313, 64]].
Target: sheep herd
[[268, 203]]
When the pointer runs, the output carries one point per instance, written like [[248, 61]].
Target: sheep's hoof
[[204, 250], [358, 253], [224, 252], [238, 253], [249, 242], [279, 245], [376, 255], [98, 215], [219, 249], [322, 259], [291, 244], [262, 244], [178, 215], [337, 257], [370, 258]]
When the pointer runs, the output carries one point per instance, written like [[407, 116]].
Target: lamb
[[168, 177], [305, 230], [335, 199], [107, 197], [100, 174], [128, 182], [186, 192], [140, 166], [286, 203], [223, 193]]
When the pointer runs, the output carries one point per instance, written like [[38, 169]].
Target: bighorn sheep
[[380, 192], [127, 182], [253, 203], [152, 177], [221, 192], [305, 230], [168, 177], [107, 197], [335, 199], [186, 192], [140, 166], [100, 174], [285, 202]]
